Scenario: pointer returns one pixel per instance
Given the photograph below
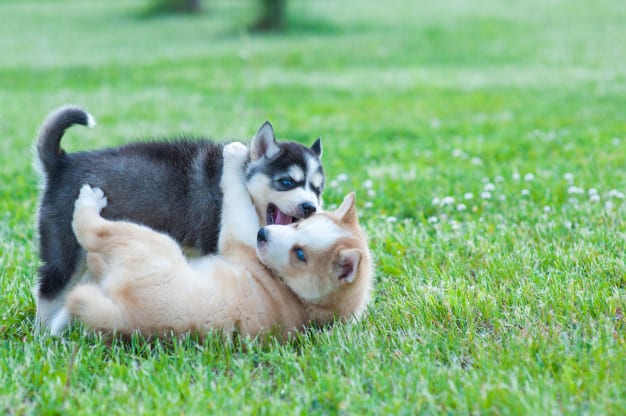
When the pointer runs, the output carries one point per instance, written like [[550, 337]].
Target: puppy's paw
[[235, 154], [60, 323], [91, 197]]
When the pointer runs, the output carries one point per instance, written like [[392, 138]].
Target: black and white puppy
[[170, 186]]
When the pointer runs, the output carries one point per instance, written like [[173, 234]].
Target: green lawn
[[486, 141]]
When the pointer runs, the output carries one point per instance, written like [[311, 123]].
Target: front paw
[[235, 154], [91, 197]]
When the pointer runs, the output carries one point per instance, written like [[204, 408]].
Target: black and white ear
[[264, 143], [317, 147], [348, 265]]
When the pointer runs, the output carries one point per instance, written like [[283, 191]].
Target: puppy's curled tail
[[52, 130], [90, 305]]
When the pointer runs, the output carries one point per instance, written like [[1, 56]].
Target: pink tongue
[[282, 219]]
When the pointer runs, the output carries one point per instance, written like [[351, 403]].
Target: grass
[[508, 302]]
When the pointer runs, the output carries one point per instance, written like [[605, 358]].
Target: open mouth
[[276, 216]]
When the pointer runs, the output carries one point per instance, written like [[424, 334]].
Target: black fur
[[290, 154]]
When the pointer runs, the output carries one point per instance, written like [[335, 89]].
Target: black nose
[[261, 236], [307, 209]]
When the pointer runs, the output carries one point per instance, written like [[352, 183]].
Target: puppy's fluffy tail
[[54, 126], [90, 305]]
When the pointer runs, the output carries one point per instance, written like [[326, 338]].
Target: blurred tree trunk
[[272, 15], [176, 6], [193, 5]]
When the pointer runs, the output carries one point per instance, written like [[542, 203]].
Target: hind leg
[[61, 263], [121, 250], [101, 236], [87, 223], [59, 320], [50, 314], [89, 304]]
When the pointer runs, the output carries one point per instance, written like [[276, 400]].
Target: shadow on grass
[[213, 346], [146, 346]]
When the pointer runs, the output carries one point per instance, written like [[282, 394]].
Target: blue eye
[[286, 182], [300, 254]]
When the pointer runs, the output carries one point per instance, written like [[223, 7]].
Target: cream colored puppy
[[289, 276]]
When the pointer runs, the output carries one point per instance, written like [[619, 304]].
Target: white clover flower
[[436, 201], [525, 192], [489, 187], [461, 207], [616, 141], [342, 177], [516, 176], [477, 161], [485, 195], [468, 195], [391, 219], [608, 205], [594, 198], [614, 193], [569, 177], [498, 178], [547, 209], [575, 190], [501, 197], [457, 153], [369, 204], [592, 191], [371, 192], [529, 177], [368, 184], [573, 201], [432, 220], [449, 200], [455, 225], [568, 224], [333, 184]]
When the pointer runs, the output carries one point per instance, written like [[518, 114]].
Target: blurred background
[[430, 95]]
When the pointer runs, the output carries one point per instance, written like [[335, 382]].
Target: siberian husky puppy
[[310, 272], [169, 186]]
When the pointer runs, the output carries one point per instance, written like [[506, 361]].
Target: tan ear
[[264, 143], [348, 265], [347, 211]]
